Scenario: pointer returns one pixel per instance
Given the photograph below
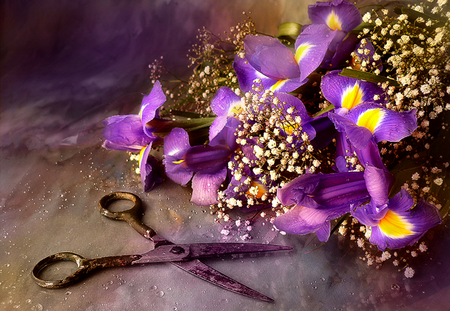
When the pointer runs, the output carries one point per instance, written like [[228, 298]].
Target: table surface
[[60, 78]]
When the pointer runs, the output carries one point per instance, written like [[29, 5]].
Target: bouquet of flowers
[[338, 124]]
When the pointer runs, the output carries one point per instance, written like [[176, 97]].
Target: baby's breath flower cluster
[[414, 45], [212, 59], [273, 150], [415, 48]]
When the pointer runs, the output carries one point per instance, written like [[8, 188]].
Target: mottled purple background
[[64, 67]]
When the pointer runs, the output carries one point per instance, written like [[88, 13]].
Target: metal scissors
[[184, 256]]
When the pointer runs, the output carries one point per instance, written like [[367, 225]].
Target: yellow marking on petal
[[141, 154], [278, 84], [178, 161], [236, 110], [395, 226], [257, 189], [301, 51], [352, 96], [371, 118], [333, 21], [289, 128]]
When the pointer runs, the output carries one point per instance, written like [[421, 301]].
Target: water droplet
[[160, 293], [395, 287]]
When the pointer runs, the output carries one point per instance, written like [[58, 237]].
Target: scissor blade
[[185, 252], [201, 250], [206, 273]]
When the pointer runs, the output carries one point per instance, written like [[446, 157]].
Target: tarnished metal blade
[[205, 272], [216, 249]]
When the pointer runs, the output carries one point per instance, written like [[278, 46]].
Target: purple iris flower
[[278, 68], [394, 222], [366, 125], [176, 144], [132, 133], [319, 198], [208, 162], [225, 104], [367, 121], [340, 17], [346, 93]]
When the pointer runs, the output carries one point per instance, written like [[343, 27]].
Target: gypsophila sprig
[[212, 60], [344, 131]]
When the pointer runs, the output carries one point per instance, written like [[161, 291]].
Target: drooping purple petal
[[225, 104], [323, 234], [402, 226], [340, 51], [338, 191], [151, 102], [369, 215], [176, 144], [378, 183], [358, 136], [370, 155], [150, 170], [287, 85], [205, 187], [270, 57], [383, 123], [337, 14], [247, 74], [345, 92], [224, 101], [311, 46], [301, 220], [226, 136], [125, 133], [343, 150], [207, 159]]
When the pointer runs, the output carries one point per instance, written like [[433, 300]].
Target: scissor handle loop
[[130, 215], [85, 267], [123, 215], [64, 256]]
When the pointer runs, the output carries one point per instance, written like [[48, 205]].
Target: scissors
[[184, 256]]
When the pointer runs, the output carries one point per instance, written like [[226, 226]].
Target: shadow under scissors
[[184, 256]]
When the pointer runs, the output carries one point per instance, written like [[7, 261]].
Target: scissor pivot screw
[[177, 250]]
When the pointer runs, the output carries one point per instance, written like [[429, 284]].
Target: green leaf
[[324, 110], [186, 114], [361, 26], [289, 30], [367, 76]]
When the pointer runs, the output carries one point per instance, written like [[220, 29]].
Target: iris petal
[[311, 46], [151, 102], [205, 187], [176, 144], [345, 92], [224, 101], [124, 133], [385, 124], [246, 74], [270, 57], [338, 15], [400, 224]]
